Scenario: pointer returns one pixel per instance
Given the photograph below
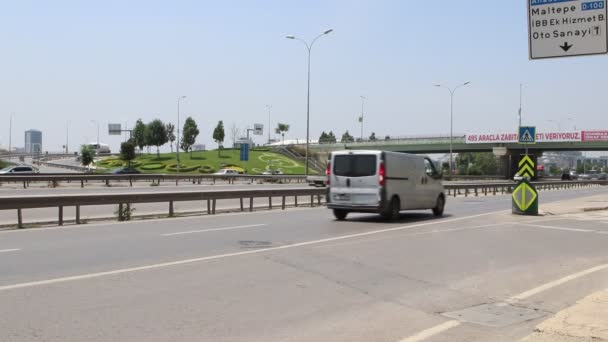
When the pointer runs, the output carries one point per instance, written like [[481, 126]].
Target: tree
[[189, 134], [323, 139], [156, 135], [139, 134], [218, 136], [331, 138], [234, 133], [170, 134], [87, 155], [347, 138], [388, 137], [127, 151], [477, 163], [373, 137], [281, 129]]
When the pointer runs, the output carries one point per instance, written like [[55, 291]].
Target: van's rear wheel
[[340, 214], [393, 210], [438, 210]]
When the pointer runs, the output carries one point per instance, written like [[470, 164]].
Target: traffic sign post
[[566, 28], [244, 152], [524, 199]]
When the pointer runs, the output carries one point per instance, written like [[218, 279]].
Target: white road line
[[213, 229], [555, 283], [10, 250], [559, 228], [448, 325], [430, 332], [229, 255]]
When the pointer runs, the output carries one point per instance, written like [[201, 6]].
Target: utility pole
[[520, 95], [363, 98], [10, 135]]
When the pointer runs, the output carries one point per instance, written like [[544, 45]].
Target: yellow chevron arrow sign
[[526, 160], [527, 167]]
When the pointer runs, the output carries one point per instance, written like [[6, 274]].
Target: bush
[[206, 169], [182, 168], [152, 166]]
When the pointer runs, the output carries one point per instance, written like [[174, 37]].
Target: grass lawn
[[209, 162]]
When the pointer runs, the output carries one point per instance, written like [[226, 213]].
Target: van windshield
[[355, 165]]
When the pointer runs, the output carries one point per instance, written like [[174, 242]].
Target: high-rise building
[[33, 141]]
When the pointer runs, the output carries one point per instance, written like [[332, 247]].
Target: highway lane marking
[[430, 332], [10, 250], [214, 229], [560, 228], [556, 283], [514, 299], [110, 224], [413, 234], [229, 255]]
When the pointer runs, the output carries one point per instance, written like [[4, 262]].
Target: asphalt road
[[298, 275]]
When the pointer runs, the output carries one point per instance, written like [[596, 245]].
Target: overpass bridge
[[503, 145]]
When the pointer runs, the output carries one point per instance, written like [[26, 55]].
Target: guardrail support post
[[319, 200], [120, 212], [24, 184], [107, 182], [312, 201], [171, 209], [77, 214], [283, 203], [19, 218], [208, 207], [250, 203], [130, 182], [296, 200], [82, 183], [60, 215], [213, 207], [241, 202], [270, 202]]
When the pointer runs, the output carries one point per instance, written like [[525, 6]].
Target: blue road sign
[[244, 152], [527, 135]]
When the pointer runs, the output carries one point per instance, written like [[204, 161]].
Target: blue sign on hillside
[[527, 135], [244, 152]]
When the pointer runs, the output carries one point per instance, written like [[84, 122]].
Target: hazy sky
[[70, 62]]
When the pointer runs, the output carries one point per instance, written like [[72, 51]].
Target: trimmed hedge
[[152, 166], [206, 169], [182, 168]]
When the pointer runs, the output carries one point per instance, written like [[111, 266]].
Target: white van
[[382, 182]]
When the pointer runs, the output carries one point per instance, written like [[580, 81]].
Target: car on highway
[[273, 173], [19, 170], [382, 182], [573, 175], [227, 172], [126, 171]]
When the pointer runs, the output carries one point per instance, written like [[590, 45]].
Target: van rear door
[[354, 179]]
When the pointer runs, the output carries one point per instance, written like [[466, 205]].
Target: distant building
[[198, 147], [33, 141]]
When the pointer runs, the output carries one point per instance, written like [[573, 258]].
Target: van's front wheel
[[438, 210], [340, 214]]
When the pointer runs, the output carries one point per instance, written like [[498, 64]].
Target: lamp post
[[177, 147], [363, 98], [268, 107], [97, 122], [308, 48], [452, 91]]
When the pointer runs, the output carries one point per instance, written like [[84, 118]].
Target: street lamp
[[452, 91], [363, 98], [268, 107], [177, 149], [308, 48]]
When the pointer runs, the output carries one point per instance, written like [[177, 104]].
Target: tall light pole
[[363, 98], [521, 85], [268, 107], [67, 136], [452, 91], [308, 48], [10, 135], [177, 147]]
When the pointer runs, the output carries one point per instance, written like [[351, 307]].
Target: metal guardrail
[[477, 189], [60, 201], [107, 179]]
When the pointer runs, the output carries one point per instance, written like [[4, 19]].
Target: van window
[[355, 165], [429, 167]]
